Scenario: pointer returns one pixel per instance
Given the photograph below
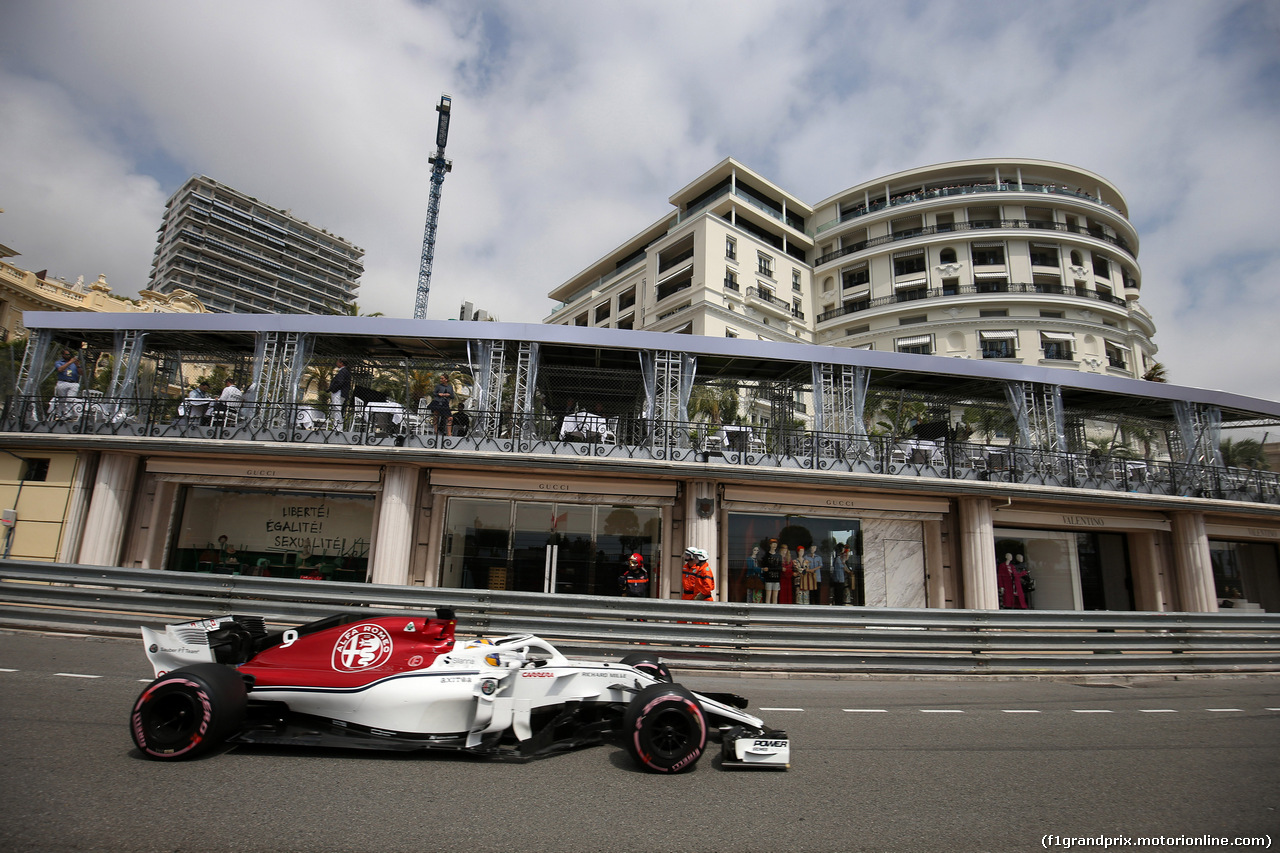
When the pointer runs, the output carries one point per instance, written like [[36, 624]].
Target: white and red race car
[[405, 683]]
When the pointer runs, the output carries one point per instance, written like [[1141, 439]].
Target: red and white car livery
[[405, 683]]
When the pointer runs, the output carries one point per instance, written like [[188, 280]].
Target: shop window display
[[1246, 575], [1062, 570], [545, 546], [274, 533], [761, 547]]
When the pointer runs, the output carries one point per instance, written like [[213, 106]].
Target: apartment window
[[908, 265], [988, 255], [730, 280], [795, 280], [730, 333], [1052, 315], [680, 281], [797, 309], [1057, 346], [909, 294], [1104, 292], [764, 265], [1116, 357], [984, 217], [627, 322], [627, 299], [999, 343], [950, 286], [911, 321], [602, 312], [1101, 267], [855, 277], [1044, 256], [764, 293], [919, 344], [730, 248], [580, 320], [947, 256], [991, 284], [993, 312]]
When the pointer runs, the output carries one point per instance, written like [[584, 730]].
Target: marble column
[[78, 507], [393, 544], [1148, 581], [700, 531], [978, 555], [1192, 565], [104, 524]]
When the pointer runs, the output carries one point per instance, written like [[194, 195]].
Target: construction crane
[[439, 166]]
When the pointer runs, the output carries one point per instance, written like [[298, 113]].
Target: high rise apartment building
[[239, 255], [1016, 260]]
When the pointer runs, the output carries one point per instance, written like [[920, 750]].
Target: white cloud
[[573, 122]]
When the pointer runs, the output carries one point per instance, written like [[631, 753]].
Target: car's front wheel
[[188, 712], [665, 729]]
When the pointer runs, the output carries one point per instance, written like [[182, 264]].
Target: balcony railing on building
[[981, 225], [582, 434]]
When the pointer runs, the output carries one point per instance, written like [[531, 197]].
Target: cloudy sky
[[574, 121]]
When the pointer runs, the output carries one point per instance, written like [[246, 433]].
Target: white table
[[583, 426]]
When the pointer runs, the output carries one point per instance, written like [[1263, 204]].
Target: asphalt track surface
[[877, 765]]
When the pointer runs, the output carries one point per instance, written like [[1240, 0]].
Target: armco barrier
[[783, 638]]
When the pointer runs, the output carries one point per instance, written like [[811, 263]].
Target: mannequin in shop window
[[786, 586], [815, 563], [836, 580], [1028, 582], [1009, 577], [771, 565], [806, 580], [754, 577]]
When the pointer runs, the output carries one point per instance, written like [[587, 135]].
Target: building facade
[[239, 255], [568, 449], [23, 290], [1021, 261]]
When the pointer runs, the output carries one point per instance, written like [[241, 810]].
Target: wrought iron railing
[[982, 225], [635, 437], [854, 306]]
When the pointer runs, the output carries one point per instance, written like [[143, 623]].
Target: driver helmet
[[695, 554]]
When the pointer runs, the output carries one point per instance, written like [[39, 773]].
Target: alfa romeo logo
[[362, 647]]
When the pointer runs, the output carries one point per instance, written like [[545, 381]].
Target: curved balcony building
[[1017, 260], [1013, 260]]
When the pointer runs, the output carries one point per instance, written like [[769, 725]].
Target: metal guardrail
[[756, 637]]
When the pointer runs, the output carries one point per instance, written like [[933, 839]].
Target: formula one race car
[[404, 683]]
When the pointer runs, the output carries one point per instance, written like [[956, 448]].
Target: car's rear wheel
[[188, 712], [649, 664], [665, 729]]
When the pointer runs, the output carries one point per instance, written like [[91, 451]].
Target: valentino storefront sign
[[1080, 521], [1233, 532]]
